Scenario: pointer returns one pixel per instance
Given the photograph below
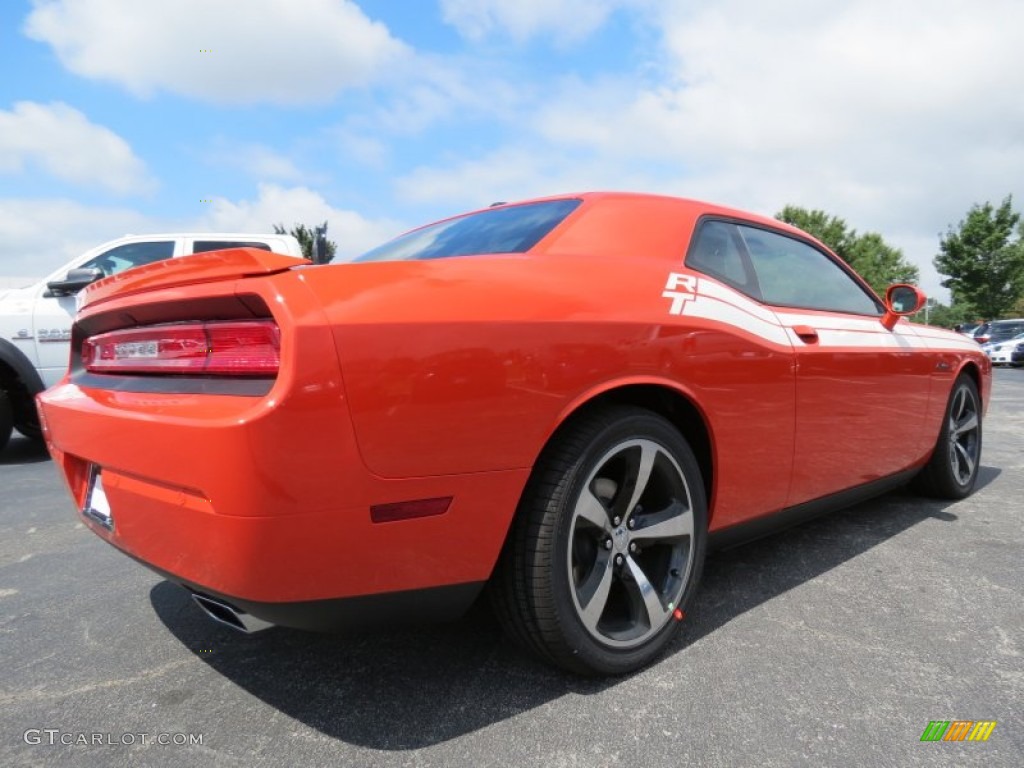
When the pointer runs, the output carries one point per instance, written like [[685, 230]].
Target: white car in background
[[1002, 352], [35, 321]]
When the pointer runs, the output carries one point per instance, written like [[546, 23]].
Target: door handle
[[807, 334]]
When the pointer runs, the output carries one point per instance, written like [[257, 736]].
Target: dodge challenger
[[561, 403]]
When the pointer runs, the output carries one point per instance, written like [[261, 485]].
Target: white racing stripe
[[714, 301]]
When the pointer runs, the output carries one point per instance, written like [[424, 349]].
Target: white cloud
[[433, 89], [38, 236], [63, 142], [893, 114], [515, 173], [366, 150], [289, 206], [506, 174], [259, 51], [567, 21], [256, 160]]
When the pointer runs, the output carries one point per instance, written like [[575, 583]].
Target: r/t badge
[[681, 289]]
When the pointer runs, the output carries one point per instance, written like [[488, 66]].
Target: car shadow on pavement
[[396, 689], [413, 687], [21, 450], [740, 578]]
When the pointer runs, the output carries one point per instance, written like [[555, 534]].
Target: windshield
[[505, 229]]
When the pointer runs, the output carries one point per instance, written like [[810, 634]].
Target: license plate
[[96, 505]]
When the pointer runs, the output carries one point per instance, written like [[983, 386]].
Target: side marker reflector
[[406, 510]]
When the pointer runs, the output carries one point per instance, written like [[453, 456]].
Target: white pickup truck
[[35, 322]]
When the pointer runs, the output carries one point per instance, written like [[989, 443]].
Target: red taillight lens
[[245, 348]]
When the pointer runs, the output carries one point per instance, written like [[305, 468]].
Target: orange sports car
[[565, 400]]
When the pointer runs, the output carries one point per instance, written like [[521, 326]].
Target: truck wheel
[[6, 418], [29, 426]]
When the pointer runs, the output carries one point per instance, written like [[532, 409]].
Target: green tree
[[943, 315], [1018, 308], [985, 267], [306, 236], [876, 261], [831, 230]]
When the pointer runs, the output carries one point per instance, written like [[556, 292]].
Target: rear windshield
[[505, 229]]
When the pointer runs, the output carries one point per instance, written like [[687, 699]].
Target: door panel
[[857, 383], [862, 397]]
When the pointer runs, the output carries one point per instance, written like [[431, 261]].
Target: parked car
[[1001, 352], [565, 400], [1004, 330], [981, 334], [35, 321], [1017, 355], [967, 329]]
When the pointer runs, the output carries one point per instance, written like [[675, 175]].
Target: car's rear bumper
[[262, 509], [426, 605]]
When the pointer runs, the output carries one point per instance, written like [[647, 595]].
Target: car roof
[[688, 205], [701, 206]]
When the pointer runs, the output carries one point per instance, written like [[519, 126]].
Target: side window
[[202, 246], [130, 255], [717, 250], [792, 273]]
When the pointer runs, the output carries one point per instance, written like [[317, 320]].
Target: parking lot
[[834, 643]]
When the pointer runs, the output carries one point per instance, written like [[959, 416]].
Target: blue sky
[[120, 116]]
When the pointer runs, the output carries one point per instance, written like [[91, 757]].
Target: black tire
[[6, 419], [30, 426], [24, 413], [607, 546], [952, 471]]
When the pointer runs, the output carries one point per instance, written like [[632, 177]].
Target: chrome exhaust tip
[[228, 615]]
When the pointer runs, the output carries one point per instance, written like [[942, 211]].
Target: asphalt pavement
[[832, 644]]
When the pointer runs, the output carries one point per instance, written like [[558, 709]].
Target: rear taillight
[[240, 348]]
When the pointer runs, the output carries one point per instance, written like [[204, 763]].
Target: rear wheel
[[608, 544], [952, 470], [6, 419]]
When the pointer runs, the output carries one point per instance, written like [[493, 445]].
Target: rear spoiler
[[229, 264]]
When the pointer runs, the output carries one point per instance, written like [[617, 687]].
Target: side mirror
[[74, 281], [901, 300]]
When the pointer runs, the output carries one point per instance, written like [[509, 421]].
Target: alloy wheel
[[631, 544], [964, 442]]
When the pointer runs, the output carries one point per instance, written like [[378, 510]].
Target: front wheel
[[608, 544], [952, 471]]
